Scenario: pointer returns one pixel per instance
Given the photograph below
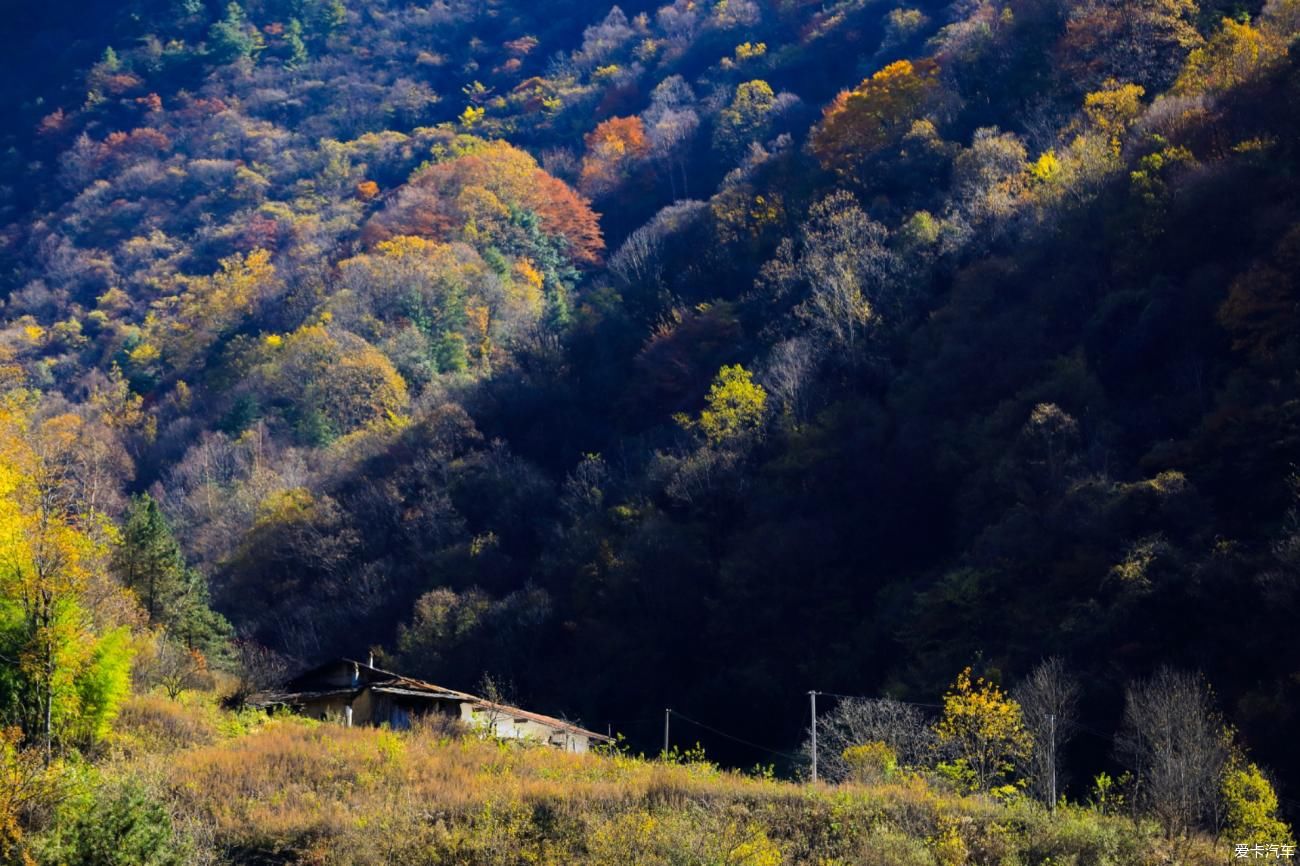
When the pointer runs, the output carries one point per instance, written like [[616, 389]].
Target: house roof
[[298, 689]]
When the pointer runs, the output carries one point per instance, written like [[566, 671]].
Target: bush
[[120, 824], [155, 724], [870, 762]]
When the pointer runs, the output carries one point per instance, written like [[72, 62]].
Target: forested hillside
[[694, 356]]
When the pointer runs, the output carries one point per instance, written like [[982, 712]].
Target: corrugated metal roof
[[549, 721], [265, 699], [394, 683], [410, 692]]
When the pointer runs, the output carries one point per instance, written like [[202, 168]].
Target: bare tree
[[850, 272], [671, 122], [1049, 699], [1173, 740], [637, 261], [858, 721], [494, 709], [178, 669], [260, 668], [788, 373], [602, 41]]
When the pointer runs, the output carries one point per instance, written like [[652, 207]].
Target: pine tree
[[297, 48], [149, 561], [233, 37]]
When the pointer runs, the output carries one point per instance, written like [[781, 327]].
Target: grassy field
[[240, 788]]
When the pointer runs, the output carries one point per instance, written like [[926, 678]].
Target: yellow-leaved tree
[[984, 732], [1251, 806], [185, 325], [63, 678], [737, 406]]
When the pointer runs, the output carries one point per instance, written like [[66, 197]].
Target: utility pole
[[812, 729], [1051, 720], [667, 713]]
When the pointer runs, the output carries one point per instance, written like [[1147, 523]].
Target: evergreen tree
[[149, 561], [233, 37], [297, 48]]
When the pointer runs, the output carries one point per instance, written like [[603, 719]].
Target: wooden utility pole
[[667, 713], [812, 730], [1051, 719]]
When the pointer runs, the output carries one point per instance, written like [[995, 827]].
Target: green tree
[[233, 37], [148, 560], [297, 48], [120, 824], [65, 674], [321, 18]]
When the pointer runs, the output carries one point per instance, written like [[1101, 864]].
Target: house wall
[[363, 708], [332, 707], [369, 708], [518, 728]]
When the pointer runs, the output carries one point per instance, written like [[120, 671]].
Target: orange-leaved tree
[[861, 122], [447, 199], [613, 148]]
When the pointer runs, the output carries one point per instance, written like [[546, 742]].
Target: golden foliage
[[185, 326], [51, 556], [1251, 807], [736, 406], [340, 375], [1113, 110], [27, 785], [985, 729], [1232, 56], [875, 114]]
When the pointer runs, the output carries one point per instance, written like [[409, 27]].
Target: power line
[[725, 735], [877, 698]]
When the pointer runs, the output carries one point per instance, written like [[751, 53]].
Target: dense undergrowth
[[187, 783]]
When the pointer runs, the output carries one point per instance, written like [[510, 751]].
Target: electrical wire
[[871, 698], [724, 734]]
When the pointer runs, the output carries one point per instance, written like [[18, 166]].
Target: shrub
[[156, 724], [870, 762], [120, 824]]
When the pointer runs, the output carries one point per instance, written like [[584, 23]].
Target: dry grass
[[295, 792], [153, 723]]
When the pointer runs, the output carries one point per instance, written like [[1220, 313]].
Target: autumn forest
[[942, 357]]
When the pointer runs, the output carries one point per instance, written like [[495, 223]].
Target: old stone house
[[357, 693]]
